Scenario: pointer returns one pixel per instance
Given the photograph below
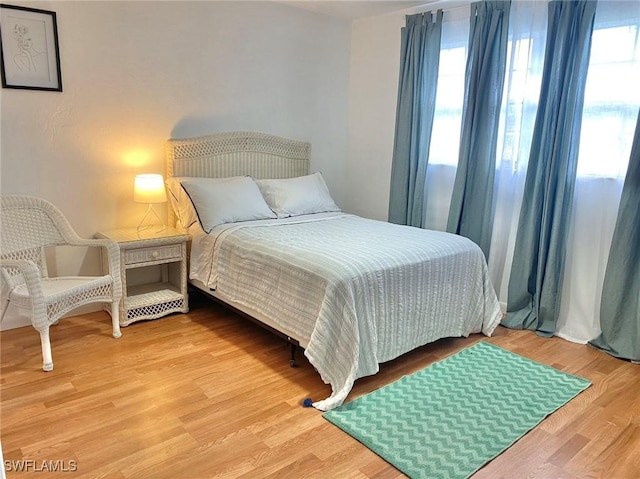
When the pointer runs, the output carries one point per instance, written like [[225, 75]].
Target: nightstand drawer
[[143, 255]]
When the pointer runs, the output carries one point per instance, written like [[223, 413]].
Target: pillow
[[180, 202], [297, 196], [226, 200]]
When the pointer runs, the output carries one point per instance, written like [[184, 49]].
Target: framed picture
[[30, 56]]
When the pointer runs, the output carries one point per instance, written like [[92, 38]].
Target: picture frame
[[29, 50]]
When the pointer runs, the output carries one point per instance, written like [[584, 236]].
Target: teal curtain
[[472, 202], [535, 285], [419, 60], [620, 307]]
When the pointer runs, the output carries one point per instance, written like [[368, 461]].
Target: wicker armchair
[[29, 225]]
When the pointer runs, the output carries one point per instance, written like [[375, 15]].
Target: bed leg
[[292, 361]]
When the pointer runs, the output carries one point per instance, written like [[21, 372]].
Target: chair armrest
[[107, 243], [31, 274], [28, 269], [112, 256]]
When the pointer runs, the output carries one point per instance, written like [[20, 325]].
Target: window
[[445, 136], [612, 97]]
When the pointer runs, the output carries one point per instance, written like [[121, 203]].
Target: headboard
[[242, 153]]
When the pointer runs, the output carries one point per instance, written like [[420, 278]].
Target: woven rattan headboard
[[237, 154]]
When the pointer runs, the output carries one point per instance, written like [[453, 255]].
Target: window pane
[[445, 137], [612, 98]]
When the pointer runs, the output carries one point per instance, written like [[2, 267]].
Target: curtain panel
[[535, 284], [419, 59], [612, 100], [472, 204], [620, 307]]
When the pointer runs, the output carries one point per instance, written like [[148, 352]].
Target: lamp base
[[149, 211]]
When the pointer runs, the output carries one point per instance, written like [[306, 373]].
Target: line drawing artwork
[[30, 55], [29, 58]]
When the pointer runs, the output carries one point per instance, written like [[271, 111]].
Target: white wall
[[137, 73], [373, 93]]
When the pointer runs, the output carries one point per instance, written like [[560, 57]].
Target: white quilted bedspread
[[357, 292]]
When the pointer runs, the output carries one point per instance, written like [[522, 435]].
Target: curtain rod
[[444, 5]]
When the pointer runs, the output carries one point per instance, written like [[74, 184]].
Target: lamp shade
[[149, 188]]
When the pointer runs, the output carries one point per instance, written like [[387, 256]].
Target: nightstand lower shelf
[[151, 301]]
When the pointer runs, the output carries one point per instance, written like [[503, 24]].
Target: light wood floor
[[209, 394]]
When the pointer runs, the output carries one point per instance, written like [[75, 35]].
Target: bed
[[353, 292]]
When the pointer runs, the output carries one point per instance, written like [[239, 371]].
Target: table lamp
[[149, 188]]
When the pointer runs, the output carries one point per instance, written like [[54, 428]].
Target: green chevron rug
[[451, 418]]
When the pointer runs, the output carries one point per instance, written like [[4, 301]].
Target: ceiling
[[351, 10]]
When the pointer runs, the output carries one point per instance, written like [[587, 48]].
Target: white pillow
[[180, 202], [297, 196], [226, 200]]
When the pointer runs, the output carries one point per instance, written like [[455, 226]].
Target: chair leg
[[4, 305], [115, 319], [47, 360]]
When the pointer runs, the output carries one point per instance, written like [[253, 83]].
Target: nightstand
[[153, 267]]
